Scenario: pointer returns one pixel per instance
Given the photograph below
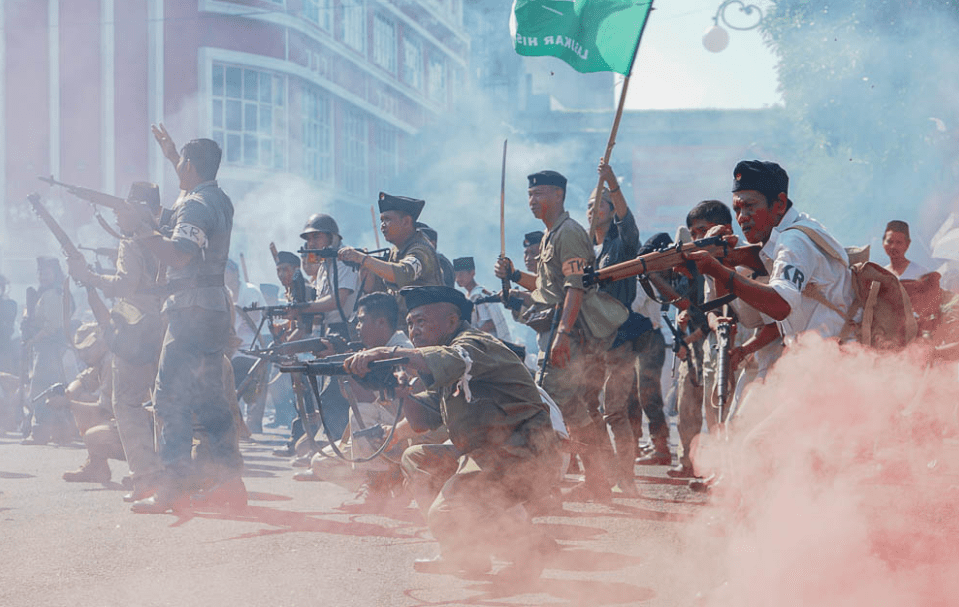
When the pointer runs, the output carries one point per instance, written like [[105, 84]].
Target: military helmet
[[320, 222]]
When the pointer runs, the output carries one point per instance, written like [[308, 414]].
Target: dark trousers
[[648, 398]]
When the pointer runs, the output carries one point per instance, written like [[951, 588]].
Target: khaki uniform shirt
[[564, 254], [419, 266], [135, 278], [484, 392]]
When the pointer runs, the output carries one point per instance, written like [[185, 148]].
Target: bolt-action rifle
[[674, 256]]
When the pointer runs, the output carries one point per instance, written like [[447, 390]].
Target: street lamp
[[716, 38]]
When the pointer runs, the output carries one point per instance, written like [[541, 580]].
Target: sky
[[674, 71]]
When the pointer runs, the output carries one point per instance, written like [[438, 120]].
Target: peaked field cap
[[532, 238], [320, 222], [289, 258], [416, 297], [547, 178], [144, 191], [463, 263], [411, 206], [762, 176]]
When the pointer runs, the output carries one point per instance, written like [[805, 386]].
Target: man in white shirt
[[487, 317], [895, 242], [810, 286]]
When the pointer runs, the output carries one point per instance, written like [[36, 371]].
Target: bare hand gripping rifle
[[380, 377]]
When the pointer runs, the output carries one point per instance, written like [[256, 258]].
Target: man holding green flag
[[589, 35]]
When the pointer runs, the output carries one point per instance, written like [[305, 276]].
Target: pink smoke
[[841, 485]]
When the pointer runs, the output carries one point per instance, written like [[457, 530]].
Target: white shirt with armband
[[794, 262]]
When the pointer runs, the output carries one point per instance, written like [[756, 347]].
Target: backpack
[[887, 321]]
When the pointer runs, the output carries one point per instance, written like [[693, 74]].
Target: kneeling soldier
[[503, 445]]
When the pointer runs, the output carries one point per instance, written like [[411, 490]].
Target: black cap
[[410, 206], [532, 238], [289, 258], [763, 176], [463, 263], [547, 178], [427, 231], [421, 296], [145, 192], [656, 242]]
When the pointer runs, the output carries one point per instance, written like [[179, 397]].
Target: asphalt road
[[79, 545]]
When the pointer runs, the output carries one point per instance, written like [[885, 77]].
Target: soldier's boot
[[659, 455], [596, 486], [92, 471]]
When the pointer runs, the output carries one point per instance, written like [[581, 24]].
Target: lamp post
[[716, 38]]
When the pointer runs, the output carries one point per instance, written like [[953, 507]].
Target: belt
[[194, 282]]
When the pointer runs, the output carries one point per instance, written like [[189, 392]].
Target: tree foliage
[[873, 83]]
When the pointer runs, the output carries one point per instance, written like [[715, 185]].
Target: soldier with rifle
[[412, 260], [43, 332], [134, 333], [576, 325], [503, 447], [336, 283], [190, 384]]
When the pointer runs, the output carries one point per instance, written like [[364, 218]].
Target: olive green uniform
[[415, 265], [136, 344], [503, 450], [564, 254]]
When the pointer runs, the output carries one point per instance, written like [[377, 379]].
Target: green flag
[[589, 35]]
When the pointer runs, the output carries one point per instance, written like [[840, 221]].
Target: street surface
[[78, 544]]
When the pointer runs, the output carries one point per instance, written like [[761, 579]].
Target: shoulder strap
[[817, 238]]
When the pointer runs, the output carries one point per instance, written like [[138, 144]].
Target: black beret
[[547, 178], [656, 242], [410, 206], [766, 177], [289, 258], [421, 296], [463, 263], [532, 238], [427, 231]]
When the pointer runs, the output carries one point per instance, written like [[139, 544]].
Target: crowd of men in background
[[428, 394]]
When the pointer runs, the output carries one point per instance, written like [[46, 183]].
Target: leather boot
[[596, 487], [168, 497], [230, 492], [92, 471]]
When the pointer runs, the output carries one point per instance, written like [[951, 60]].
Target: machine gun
[[380, 377], [674, 256]]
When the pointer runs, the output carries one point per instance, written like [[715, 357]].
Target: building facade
[[326, 93]]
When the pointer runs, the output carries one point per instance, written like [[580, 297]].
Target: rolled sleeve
[[446, 365]]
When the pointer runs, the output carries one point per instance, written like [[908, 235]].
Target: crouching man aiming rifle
[[503, 445]]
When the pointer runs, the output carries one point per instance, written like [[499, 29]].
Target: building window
[[355, 135], [319, 12], [385, 155], [249, 116], [317, 136], [413, 62], [437, 80], [384, 43], [354, 25]]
